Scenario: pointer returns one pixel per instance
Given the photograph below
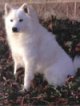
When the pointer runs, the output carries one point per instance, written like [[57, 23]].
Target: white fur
[[76, 62], [36, 49]]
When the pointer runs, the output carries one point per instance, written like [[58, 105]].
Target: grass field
[[41, 94]]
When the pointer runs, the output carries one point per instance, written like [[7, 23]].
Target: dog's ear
[[25, 7], [29, 10], [7, 8]]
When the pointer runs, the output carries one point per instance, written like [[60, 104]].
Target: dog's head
[[19, 19]]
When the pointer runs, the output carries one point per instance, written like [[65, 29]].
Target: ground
[[68, 36]]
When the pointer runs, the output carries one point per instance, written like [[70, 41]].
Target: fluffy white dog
[[34, 48]]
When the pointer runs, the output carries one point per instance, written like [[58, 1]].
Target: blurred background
[[46, 8]]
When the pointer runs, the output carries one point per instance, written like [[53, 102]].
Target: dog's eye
[[11, 20], [20, 20]]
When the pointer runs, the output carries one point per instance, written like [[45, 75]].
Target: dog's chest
[[16, 44], [20, 45]]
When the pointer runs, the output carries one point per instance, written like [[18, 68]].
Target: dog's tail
[[76, 62]]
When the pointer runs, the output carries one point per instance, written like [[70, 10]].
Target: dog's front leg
[[16, 64], [28, 74]]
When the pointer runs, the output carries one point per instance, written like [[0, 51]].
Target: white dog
[[34, 48]]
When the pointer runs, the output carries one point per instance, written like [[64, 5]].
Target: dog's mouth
[[15, 30]]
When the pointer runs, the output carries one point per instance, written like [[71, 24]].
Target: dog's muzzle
[[14, 29]]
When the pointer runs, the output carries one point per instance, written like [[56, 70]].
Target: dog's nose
[[14, 29]]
